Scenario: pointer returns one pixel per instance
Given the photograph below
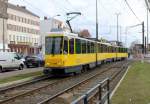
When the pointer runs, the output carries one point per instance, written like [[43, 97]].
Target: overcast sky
[[107, 17]]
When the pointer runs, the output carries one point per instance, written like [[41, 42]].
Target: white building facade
[[23, 30], [3, 25], [46, 26]]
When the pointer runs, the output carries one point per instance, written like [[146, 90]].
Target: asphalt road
[[15, 72]]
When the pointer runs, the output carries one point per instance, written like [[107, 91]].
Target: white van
[[10, 60]]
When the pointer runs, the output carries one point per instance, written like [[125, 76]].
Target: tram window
[[119, 50], [99, 48], [78, 46], [92, 47], [102, 50], [88, 47], [108, 49], [95, 49], [65, 51], [51, 43], [112, 49], [71, 46], [103, 46], [83, 46], [116, 49]]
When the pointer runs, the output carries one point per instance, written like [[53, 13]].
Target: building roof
[[21, 9]]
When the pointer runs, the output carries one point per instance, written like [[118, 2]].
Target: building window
[[20, 38], [13, 37], [9, 16], [10, 37], [17, 38]]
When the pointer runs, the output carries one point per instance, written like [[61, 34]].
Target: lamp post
[[117, 14], [96, 20], [147, 29], [96, 30]]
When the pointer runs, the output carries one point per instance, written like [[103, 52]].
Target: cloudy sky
[[107, 10]]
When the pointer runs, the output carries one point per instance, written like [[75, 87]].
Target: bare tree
[[85, 33]]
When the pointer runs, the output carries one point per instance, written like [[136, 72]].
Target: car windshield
[[53, 45]]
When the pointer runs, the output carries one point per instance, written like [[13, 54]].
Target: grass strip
[[135, 88], [20, 77]]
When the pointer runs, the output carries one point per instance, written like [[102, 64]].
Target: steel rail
[[73, 86], [49, 85]]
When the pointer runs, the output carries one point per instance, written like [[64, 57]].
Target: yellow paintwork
[[119, 55], [78, 59]]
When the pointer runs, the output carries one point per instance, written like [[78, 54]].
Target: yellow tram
[[68, 53]]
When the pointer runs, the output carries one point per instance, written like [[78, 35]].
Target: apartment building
[[23, 30]]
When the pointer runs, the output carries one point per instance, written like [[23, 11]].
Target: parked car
[[10, 60], [33, 61]]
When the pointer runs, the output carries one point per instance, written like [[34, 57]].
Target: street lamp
[[56, 15], [117, 14], [96, 20]]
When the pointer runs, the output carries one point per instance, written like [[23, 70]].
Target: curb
[[16, 82]]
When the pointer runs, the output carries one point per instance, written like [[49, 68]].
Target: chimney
[[45, 18], [24, 7]]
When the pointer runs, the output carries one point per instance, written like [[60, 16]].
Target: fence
[[99, 94]]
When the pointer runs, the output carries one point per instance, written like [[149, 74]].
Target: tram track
[[82, 87], [50, 90]]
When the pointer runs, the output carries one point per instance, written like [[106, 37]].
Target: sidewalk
[[17, 72], [135, 87]]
